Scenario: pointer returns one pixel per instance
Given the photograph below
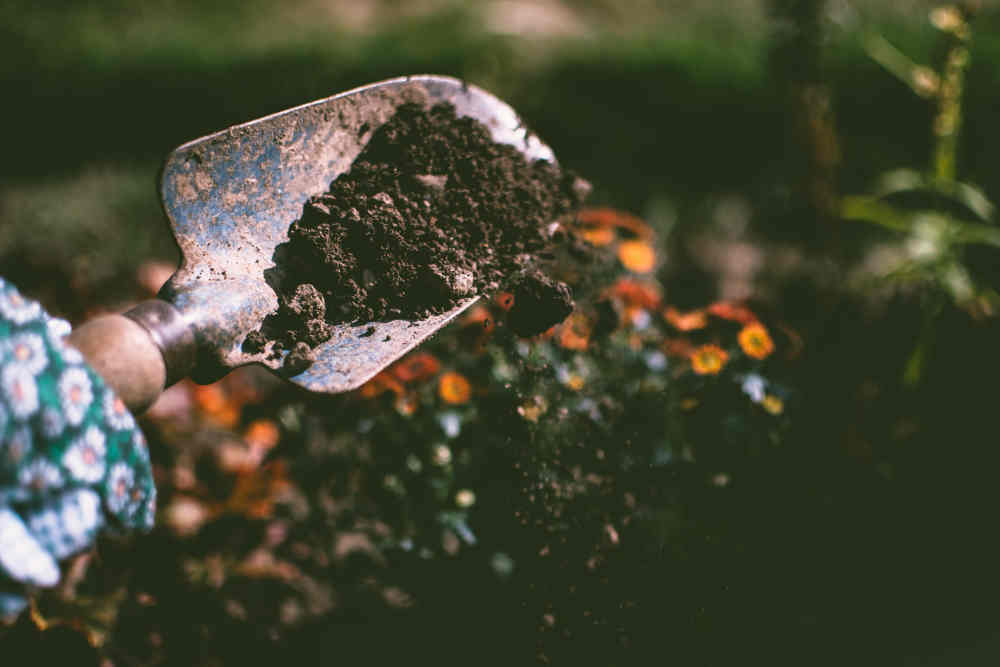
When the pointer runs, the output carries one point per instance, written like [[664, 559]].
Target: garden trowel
[[230, 198]]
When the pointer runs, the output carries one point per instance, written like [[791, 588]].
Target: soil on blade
[[431, 212]]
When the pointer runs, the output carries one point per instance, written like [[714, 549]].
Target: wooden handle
[[125, 355]]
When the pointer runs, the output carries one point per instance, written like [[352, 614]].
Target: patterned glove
[[73, 463]]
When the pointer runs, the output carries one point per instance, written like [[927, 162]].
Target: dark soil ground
[[433, 211]]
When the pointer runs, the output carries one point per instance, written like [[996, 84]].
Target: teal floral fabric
[[73, 463]]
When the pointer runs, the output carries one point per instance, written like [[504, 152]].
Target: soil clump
[[432, 211], [539, 303]]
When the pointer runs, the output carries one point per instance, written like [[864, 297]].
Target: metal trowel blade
[[231, 196]]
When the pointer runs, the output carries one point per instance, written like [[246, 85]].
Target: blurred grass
[[103, 85], [647, 99], [70, 238]]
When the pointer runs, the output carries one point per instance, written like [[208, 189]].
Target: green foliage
[[936, 214]]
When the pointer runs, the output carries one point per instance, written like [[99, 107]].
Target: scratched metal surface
[[231, 196]]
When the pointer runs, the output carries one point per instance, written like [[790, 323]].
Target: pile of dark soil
[[431, 212]]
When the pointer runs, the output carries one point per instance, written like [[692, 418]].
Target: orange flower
[[732, 311], [755, 341], [262, 434], [504, 299], [479, 317], [407, 404], [609, 217], [708, 359], [454, 388], [255, 491], [242, 388], [635, 293], [416, 367], [217, 404], [689, 321], [637, 256], [381, 383], [372, 388], [210, 397], [478, 324], [549, 333], [574, 333], [572, 340], [598, 236]]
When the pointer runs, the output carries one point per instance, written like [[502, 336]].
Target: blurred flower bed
[[533, 460]]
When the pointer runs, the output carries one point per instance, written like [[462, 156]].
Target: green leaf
[[871, 209], [971, 232], [900, 180], [974, 199]]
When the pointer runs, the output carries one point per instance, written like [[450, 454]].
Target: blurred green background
[[660, 103]]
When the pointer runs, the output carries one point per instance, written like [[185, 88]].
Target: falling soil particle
[[432, 211], [539, 303]]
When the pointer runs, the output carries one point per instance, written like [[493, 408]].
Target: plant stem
[[948, 122]]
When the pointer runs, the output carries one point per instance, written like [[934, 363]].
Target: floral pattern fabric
[[73, 463]]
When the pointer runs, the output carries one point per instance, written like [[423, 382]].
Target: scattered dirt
[[539, 303], [431, 212]]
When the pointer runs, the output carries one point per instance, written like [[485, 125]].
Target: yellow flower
[[755, 341], [441, 455], [688, 404], [948, 19], [533, 408], [637, 256], [773, 404], [708, 359], [465, 498]]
